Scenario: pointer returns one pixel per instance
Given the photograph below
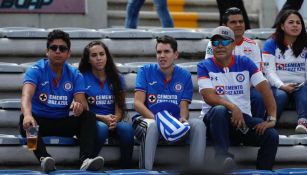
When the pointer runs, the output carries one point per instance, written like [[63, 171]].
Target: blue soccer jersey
[[231, 82], [151, 80], [52, 98], [100, 95]]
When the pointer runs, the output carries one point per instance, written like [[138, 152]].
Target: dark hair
[[279, 35], [58, 34], [167, 40], [112, 73], [230, 11]]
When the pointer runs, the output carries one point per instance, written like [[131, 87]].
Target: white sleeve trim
[[204, 83], [257, 78]]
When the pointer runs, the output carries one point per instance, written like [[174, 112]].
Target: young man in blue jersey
[[224, 82], [49, 88], [165, 82]]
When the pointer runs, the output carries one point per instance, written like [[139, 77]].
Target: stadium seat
[[23, 32], [123, 33], [131, 171], [284, 140], [298, 171], [177, 33], [301, 138], [190, 66], [134, 66], [253, 172], [260, 33], [77, 33], [207, 32], [9, 140], [74, 172], [19, 172], [11, 76]]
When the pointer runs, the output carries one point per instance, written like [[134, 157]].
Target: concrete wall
[[96, 18]]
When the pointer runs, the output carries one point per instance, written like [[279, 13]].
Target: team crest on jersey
[[220, 90], [209, 51], [280, 66], [247, 50], [152, 98], [91, 100], [43, 97], [178, 87], [240, 77], [68, 86]]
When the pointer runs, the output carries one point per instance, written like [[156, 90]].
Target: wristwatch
[[271, 118]]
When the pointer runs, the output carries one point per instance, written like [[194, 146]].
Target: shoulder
[[249, 41], [182, 71]]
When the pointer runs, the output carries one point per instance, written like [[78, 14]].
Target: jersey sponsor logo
[[43, 97], [291, 67], [68, 86], [247, 50], [152, 83], [220, 90], [91, 100], [178, 87], [45, 83], [152, 98], [240, 77]]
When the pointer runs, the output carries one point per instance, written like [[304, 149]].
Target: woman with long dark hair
[[284, 56], [106, 97]]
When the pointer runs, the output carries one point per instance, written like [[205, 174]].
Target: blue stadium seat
[[23, 32], [131, 172], [76, 32], [74, 172], [253, 172], [301, 171]]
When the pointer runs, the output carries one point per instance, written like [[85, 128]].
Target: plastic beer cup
[[32, 133]]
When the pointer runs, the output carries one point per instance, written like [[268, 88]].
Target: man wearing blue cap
[[224, 82], [165, 82]]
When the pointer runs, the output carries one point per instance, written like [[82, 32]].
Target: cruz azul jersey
[[283, 68], [246, 47], [231, 83], [99, 95], [151, 81], [51, 100]]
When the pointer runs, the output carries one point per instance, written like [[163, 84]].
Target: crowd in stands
[[244, 90]]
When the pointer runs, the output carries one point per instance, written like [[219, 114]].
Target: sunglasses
[[222, 42], [62, 48]]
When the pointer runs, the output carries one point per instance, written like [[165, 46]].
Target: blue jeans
[[222, 133], [125, 133], [257, 104], [282, 99], [133, 9]]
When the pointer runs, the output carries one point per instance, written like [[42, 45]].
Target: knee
[[197, 125], [219, 114], [102, 131], [125, 131], [152, 127], [272, 136]]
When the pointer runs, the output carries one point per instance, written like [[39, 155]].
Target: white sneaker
[[229, 164], [301, 129], [92, 164], [47, 164]]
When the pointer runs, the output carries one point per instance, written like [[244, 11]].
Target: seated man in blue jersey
[[224, 82], [165, 82], [49, 88]]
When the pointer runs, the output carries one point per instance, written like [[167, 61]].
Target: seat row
[[26, 41]]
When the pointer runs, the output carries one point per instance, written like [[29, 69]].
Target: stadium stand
[[28, 44]]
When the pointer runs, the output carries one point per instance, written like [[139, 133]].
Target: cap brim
[[220, 36]]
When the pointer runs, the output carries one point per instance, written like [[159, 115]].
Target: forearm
[[143, 110]]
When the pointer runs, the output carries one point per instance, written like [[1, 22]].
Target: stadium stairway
[[185, 13], [132, 49]]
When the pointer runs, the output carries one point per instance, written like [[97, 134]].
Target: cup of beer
[[32, 133]]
